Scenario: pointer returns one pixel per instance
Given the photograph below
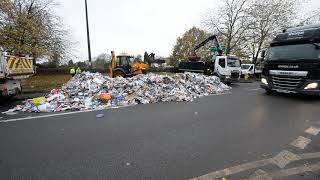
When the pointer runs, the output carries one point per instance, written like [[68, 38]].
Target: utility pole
[[88, 36]]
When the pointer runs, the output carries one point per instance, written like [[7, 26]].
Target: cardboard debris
[[95, 91]]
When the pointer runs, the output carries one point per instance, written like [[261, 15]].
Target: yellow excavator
[[124, 65]]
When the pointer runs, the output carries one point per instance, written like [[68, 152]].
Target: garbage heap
[[95, 91]]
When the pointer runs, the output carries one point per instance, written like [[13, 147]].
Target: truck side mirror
[[263, 53]]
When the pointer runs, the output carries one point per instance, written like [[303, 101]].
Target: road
[[243, 134]]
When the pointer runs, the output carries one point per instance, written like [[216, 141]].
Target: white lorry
[[227, 68], [13, 69]]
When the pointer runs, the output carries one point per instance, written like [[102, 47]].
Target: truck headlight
[[264, 81], [312, 86]]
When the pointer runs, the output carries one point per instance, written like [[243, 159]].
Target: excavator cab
[[124, 66], [123, 63]]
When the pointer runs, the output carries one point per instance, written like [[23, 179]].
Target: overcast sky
[[133, 26]]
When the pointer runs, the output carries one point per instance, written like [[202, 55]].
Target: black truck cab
[[292, 62]]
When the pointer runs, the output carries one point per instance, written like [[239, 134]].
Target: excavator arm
[[215, 42], [112, 64]]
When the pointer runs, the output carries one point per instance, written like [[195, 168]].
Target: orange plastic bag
[[104, 97]]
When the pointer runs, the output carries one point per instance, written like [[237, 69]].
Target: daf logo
[[288, 66]]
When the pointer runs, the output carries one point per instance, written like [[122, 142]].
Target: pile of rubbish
[[89, 91]]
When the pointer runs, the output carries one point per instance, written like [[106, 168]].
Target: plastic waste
[[44, 107], [10, 112], [88, 103], [104, 97], [54, 91], [39, 100], [100, 115], [95, 91]]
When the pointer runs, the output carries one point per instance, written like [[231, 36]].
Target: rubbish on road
[[54, 91], [100, 115], [10, 112], [93, 91], [104, 97], [39, 100], [44, 107]]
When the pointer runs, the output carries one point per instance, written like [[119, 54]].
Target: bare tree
[[268, 19], [102, 61], [230, 21], [310, 17]]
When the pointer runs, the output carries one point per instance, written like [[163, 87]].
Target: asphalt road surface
[[244, 134]]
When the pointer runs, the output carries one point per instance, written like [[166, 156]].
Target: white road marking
[[58, 114], [288, 172], [284, 158], [252, 165], [261, 174], [310, 155], [301, 142], [313, 130], [233, 170]]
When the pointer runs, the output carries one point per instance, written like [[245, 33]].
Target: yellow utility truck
[[13, 69]]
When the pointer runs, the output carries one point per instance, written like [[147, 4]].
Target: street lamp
[[88, 36]]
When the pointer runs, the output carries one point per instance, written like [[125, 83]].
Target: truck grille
[[234, 74], [289, 83]]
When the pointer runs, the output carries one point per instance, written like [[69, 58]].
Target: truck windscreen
[[245, 66], [294, 52], [232, 62]]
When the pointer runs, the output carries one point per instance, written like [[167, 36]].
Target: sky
[[133, 26]]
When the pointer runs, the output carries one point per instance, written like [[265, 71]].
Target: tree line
[[245, 27]]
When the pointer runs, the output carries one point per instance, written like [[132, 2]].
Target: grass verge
[[43, 83]]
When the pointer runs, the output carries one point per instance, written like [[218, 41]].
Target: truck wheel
[[118, 74]]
